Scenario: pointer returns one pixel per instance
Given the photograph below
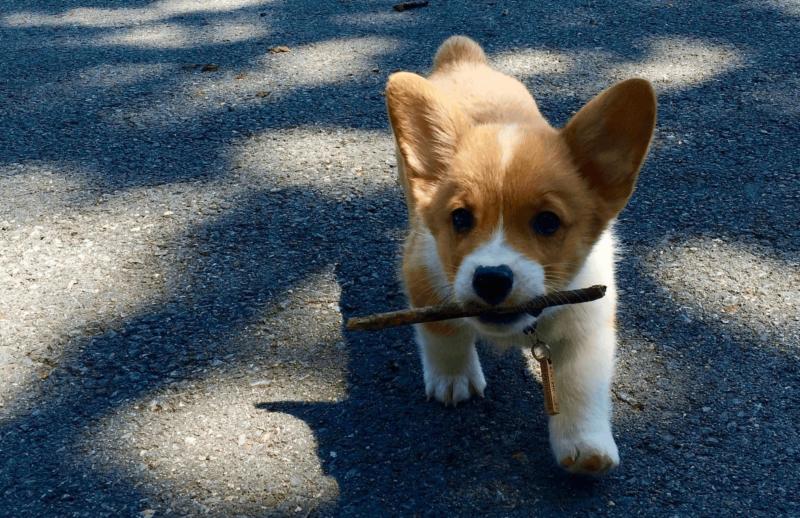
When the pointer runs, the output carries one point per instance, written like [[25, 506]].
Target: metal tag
[[541, 351]]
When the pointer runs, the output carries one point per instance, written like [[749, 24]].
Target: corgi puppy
[[502, 208]]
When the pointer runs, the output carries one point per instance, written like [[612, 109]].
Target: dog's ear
[[609, 138], [427, 127]]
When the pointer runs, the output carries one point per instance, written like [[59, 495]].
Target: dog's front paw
[[454, 388], [592, 453]]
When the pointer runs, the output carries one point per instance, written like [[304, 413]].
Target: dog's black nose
[[493, 283]]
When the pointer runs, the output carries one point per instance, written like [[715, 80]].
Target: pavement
[[188, 211]]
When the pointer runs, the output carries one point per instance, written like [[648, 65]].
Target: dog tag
[[541, 351], [548, 379]]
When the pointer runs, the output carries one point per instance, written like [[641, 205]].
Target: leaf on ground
[[279, 48], [405, 6], [520, 457], [629, 399]]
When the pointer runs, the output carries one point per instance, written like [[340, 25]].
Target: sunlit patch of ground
[[176, 36], [671, 63], [530, 62], [209, 450], [335, 60], [104, 17], [787, 7], [270, 77], [323, 158], [677, 63], [739, 287]]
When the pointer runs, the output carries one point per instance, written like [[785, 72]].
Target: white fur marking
[[528, 279], [507, 137]]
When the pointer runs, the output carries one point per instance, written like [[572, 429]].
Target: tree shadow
[[183, 339], [84, 127]]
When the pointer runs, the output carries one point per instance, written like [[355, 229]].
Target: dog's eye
[[545, 223], [462, 220]]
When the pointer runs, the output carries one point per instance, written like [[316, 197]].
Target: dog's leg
[[450, 364], [580, 435]]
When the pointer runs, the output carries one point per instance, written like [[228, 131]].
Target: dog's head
[[515, 209]]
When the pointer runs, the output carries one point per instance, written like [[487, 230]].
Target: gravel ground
[[188, 214]]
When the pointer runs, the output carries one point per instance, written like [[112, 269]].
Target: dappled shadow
[[715, 169], [98, 127], [181, 340]]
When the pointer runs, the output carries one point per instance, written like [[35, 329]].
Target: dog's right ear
[[426, 128]]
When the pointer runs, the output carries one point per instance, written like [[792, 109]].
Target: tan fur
[[427, 126], [609, 138], [446, 128], [485, 95], [458, 49]]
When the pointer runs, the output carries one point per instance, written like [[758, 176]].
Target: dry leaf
[[520, 457], [405, 6]]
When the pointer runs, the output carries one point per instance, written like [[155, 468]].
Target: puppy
[[502, 208]]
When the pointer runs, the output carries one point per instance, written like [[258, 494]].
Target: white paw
[[451, 366], [453, 389], [585, 453]]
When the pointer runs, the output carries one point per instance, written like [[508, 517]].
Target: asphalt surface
[[186, 218]]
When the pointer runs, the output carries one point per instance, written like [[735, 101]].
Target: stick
[[450, 311]]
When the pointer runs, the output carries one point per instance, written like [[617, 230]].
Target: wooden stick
[[450, 311]]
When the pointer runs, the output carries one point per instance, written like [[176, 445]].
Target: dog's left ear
[[609, 138]]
